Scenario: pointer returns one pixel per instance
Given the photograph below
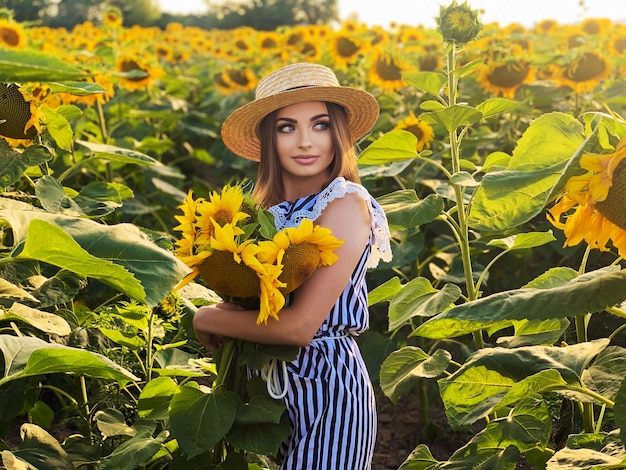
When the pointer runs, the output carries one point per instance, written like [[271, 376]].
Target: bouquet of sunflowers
[[233, 245]]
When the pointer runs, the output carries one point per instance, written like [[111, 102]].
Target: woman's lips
[[306, 159]]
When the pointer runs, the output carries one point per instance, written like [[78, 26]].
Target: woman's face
[[304, 141]]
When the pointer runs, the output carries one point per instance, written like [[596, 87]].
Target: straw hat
[[296, 83]]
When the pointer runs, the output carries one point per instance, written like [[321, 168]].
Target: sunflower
[[344, 48], [386, 72], [112, 17], [300, 251], [420, 129], [595, 26], [139, 74], [20, 118], [586, 72], [505, 78], [12, 34], [598, 198]]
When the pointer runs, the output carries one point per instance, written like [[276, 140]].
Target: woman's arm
[[349, 219]]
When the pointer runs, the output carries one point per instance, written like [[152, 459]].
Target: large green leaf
[[607, 372], [135, 452], [156, 269], [489, 374], [513, 196], [419, 298], [35, 66], [30, 356], [588, 293], [453, 117], [43, 321], [118, 154], [405, 210], [431, 82], [39, 449], [391, 147], [400, 370], [199, 419], [50, 244], [526, 427], [13, 163]]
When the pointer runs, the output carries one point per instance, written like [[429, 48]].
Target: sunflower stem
[[463, 233]]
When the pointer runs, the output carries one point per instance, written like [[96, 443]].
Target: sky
[[424, 12]]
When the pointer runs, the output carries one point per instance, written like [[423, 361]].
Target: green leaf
[[475, 389], [118, 154], [384, 292], [264, 439], [199, 420], [112, 422], [511, 197], [13, 163], [463, 178], [526, 427], [430, 82], [41, 450], [43, 321], [420, 459], [49, 243], [619, 410], [607, 372], [35, 66], [405, 210], [523, 241], [155, 397], [453, 117], [419, 298], [468, 69], [541, 382], [158, 270], [393, 146], [400, 370], [590, 292], [59, 128], [30, 356], [494, 106], [53, 198], [135, 452], [76, 88]]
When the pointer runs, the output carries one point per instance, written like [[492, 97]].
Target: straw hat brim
[[240, 129]]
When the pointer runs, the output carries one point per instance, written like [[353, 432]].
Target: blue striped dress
[[329, 396]]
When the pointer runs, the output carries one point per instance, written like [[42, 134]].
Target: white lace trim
[[338, 188]]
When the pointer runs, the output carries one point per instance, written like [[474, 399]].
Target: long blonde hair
[[269, 189]]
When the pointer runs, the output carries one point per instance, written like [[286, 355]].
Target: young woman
[[302, 127]]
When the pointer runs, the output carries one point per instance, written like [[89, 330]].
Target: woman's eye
[[286, 128], [322, 125]]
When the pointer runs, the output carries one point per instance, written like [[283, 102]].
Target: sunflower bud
[[458, 23]]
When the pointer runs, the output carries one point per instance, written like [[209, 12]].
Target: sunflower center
[[620, 44], [612, 207], [15, 112], [346, 47], [299, 261], [225, 276], [238, 77], [428, 63], [509, 75], [9, 37], [388, 70], [587, 67], [223, 217]]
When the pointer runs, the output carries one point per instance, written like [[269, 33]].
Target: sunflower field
[[498, 158]]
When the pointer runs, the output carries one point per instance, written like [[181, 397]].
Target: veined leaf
[[453, 117], [489, 374], [405, 210], [35, 66], [29, 356], [385, 292], [513, 196], [43, 321], [49, 243], [13, 163], [135, 452], [393, 146], [588, 293], [118, 154], [430, 82], [199, 420], [158, 270], [399, 371]]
